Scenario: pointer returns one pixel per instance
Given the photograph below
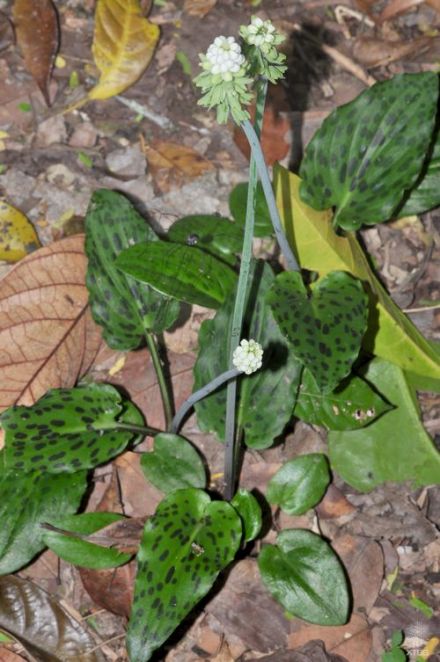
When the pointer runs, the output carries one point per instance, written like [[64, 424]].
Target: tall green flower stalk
[[229, 72]]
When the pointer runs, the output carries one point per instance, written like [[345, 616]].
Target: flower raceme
[[248, 357]]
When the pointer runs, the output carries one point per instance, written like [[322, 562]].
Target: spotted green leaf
[[426, 193], [173, 464], [214, 234], [390, 335], [266, 398], [303, 573], [395, 447], [368, 152], [352, 405], [124, 307], [249, 510], [68, 429], [324, 330], [238, 203], [26, 501], [300, 483], [185, 545], [184, 272]]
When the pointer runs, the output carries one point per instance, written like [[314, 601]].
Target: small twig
[[422, 309], [104, 643], [140, 109]]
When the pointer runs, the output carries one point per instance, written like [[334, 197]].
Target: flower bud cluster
[[225, 57], [248, 357]]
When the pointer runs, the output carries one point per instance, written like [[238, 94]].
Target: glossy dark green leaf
[[369, 151], [86, 523], [238, 203], [351, 406], [300, 483], [214, 234], [121, 305], [68, 429], [426, 193], [173, 464], [41, 625], [26, 501], [185, 545], [324, 330], [82, 553], [184, 272], [303, 573], [396, 447], [249, 510], [266, 398]]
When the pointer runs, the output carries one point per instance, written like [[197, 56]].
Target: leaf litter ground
[[49, 169]]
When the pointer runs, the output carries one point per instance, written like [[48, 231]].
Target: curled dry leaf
[[172, 164], [37, 30], [123, 45], [47, 336]]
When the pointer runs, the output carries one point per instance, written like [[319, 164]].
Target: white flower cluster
[[259, 32], [248, 356], [225, 57]]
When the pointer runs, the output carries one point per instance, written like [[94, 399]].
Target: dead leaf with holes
[[36, 27], [47, 336], [198, 8], [172, 164], [17, 235]]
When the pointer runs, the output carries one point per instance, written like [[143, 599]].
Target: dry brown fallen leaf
[[172, 164], [36, 27], [274, 138], [198, 7], [7, 655], [352, 641], [373, 52], [47, 336]]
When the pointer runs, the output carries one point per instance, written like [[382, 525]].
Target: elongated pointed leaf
[[324, 330], [396, 447], [300, 484], [214, 234], [238, 203], [249, 510], [45, 629], [27, 501], [390, 335], [123, 45], [83, 553], [184, 272], [351, 406], [305, 576], [266, 398], [124, 307], [426, 193], [368, 152], [173, 464], [68, 430], [185, 545]]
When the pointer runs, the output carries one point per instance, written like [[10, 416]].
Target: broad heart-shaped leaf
[[266, 398], [124, 307], [183, 272], [215, 234], [325, 330], [390, 335], [17, 235], [26, 501], [37, 620], [369, 151], [68, 429], [305, 576], [238, 203], [185, 545], [173, 464], [300, 484], [393, 448], [351, 406], [426, 193], [123, 45], [249, 510]]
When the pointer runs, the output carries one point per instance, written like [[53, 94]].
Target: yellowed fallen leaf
[[123, 45], [171, 163], [17, 235]]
